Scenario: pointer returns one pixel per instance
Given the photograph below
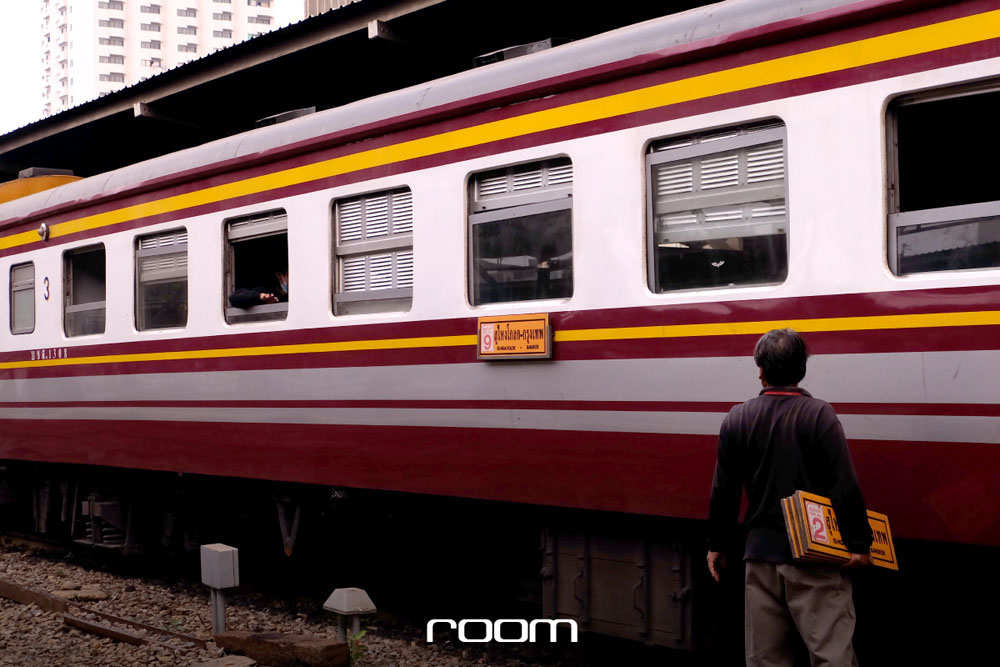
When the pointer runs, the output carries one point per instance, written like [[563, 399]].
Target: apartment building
[[93, 47], [314, 7]]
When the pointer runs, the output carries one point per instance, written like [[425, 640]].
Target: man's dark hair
[[781, 354]]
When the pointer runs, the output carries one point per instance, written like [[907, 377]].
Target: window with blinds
[[373, 253], [161, 282], [22, 298], [944, 204], [85, 287], [717, 212], [521, 233], [256, 260]]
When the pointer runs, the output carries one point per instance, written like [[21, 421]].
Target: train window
[[22, 298], [521, 233], [257, 267], [373, 250], [716, 209], [944, 206], [161, 286], [84, 271]]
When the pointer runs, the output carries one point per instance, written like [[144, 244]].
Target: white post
[[220, 569], [218, 611]]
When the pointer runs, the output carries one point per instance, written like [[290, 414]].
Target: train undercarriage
[[622, 576]]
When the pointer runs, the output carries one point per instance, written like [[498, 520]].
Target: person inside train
[[247, 297]]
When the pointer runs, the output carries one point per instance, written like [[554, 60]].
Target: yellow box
[[814, 533]]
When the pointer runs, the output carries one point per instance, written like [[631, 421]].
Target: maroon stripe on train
[[893, 409], [945, 57], [928, 489]]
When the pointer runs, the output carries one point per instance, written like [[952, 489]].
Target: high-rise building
[[314, 7], [93, 47]]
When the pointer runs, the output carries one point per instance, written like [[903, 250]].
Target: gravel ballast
[[30, 637]]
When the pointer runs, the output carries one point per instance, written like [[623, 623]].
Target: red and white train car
[[665, 193]]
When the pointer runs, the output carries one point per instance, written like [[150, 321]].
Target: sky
[[20, 63]]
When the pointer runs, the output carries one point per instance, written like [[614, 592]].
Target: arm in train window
[[256, 277], [247, 297]]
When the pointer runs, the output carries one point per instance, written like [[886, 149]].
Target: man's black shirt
[[782, 441]]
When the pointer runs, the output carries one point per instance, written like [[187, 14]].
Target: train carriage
[[663, 193]]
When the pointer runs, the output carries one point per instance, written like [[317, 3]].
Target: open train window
[[944, 204], [716, 208], [373, 251], [22, 298], [85, 279], [256, 261], [161, 285], [521, 220]]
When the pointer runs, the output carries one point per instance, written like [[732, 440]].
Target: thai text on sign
[[515, 337]]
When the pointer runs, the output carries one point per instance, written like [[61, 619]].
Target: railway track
[[120, 628]]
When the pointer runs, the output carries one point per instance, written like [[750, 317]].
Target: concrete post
[[220, 569]]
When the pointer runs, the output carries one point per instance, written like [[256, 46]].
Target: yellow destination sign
[[814, 533], [515, 337]]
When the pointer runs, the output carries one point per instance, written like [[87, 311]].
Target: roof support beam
[[143, 110]]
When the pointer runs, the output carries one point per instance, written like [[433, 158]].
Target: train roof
[[638, 45]]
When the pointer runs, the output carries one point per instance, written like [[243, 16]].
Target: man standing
[[779, 442]]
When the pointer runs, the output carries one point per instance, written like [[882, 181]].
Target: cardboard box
[[814, 534]]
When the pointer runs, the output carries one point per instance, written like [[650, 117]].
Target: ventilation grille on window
[[536, 177], [375, 216]]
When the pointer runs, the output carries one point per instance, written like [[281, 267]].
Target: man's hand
[[267, 297], [717, 563], [857, 561]]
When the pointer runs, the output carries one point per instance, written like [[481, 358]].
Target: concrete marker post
[[220, 569]]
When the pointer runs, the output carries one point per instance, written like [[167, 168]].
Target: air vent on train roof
[[282, 117], [518, 51]]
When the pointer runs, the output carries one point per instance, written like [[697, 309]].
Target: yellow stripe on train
[[915, 41]]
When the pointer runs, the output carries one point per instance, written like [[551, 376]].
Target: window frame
[[942, 215], [274, 227], [21, 286], [743, 139], [68, 277], [512, 206], [388, 243], [138, 254]]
